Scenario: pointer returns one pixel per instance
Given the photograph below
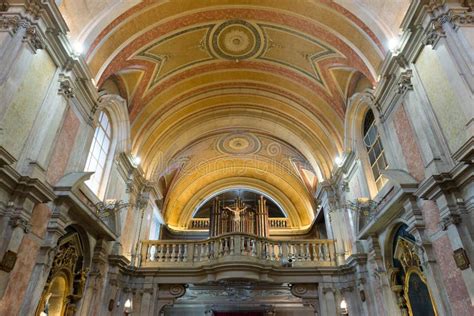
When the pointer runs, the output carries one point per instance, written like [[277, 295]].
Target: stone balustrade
[[278, 222], [237, 247], [203, 223], [199, 224]]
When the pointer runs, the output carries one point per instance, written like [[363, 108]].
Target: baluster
[[232, 245], [280, 251], [326, 252], [313, 251], [168, 253], [207, 251], [174, 253], [163, 252], [152, 252], [184, 257], [226, 245], [254, 247], [202, 248], [274, 256], [180, 253]]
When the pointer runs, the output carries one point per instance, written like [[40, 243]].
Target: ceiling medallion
[[239, 144], [235, 40]]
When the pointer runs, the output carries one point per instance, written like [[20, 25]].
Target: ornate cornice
[[424, 24], [43, 27]]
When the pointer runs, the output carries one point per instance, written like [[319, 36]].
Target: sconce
[[343, 307], [127, 307], [109, 207]]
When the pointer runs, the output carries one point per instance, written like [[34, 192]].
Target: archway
[[67, 277]]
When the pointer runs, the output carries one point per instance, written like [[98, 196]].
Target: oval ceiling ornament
[[236, 40]]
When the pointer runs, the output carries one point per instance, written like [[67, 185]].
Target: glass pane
[[377, 148], [96, 151], [100, 135], [105, 145], [102, 158], [383, 162], [372, 157], [109, 131], [376, 172]]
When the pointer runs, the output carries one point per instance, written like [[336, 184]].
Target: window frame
[[102, 132], [377, 162]]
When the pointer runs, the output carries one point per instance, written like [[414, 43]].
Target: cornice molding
[[43, 27], [22, 186], [424, 24]]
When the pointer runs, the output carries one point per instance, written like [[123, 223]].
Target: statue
[[236, 211]]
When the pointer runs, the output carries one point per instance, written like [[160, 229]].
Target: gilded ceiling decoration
[[240, 92]]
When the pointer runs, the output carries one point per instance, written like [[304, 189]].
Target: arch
[[207, 199], [66, 280], [114, 109], [359, 105]]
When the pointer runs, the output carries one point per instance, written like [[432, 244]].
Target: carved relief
[[33, 39], [65, 87], [66, 280], [404, 83]]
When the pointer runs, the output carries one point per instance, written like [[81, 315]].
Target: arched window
[[98, 154], [375, 150]]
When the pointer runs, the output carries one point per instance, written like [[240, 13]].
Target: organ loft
[[239, 218], [236, 157]]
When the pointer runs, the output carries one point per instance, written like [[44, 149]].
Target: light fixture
[[77, 48], [339, 161], [343, 307], [128, 307], [136, 160], [393, 44]]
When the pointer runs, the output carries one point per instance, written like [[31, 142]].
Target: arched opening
[[407, 278], [66, 280], [56, 297]]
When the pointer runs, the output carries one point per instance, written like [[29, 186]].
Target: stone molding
[[21, 187]]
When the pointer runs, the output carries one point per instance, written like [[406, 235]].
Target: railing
[[237, 247], [203, 223], [278, 223], [199, 223]]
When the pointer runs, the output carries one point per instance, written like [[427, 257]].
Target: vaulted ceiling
[[248, 93]]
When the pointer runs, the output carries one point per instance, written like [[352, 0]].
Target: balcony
[[237, 248]]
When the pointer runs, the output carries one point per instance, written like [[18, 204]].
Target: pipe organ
[[239, 218]]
